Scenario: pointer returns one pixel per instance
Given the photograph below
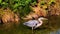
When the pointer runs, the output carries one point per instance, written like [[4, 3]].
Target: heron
[[35, 23]]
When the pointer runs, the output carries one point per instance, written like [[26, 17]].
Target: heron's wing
[[31, 23], [38, 25]]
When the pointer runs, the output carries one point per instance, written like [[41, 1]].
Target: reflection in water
[[55, 32], [56, 23]]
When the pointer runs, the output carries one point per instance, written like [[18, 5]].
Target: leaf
[[3, 3], [6, 0], [16, 0], [51, 1], [34, 3], [16, 5], [45, 6], [0, 1], [42, 2]]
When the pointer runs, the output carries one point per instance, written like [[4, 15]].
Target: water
[[55, 21], [53, 27], [55, 32]]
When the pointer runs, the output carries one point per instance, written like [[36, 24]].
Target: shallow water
[[55, 32], [55, 21], [51, 28]]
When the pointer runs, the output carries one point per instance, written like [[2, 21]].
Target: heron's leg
[[32, 30]]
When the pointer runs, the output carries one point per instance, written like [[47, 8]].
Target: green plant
[[51, 1], [0, 1], [16, 5]]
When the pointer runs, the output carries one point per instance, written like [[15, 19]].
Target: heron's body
[[34, 23], [31, 23]]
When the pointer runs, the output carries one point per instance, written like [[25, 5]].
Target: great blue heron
[[35, 23]]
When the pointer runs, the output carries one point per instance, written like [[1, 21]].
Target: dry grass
[[9, 18]]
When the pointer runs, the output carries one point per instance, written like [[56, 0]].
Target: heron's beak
[[45, 19]]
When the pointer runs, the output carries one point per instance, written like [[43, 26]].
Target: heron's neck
[[40, 21], [39, 24]]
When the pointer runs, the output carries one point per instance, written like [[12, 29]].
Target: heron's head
[[41, 18]]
